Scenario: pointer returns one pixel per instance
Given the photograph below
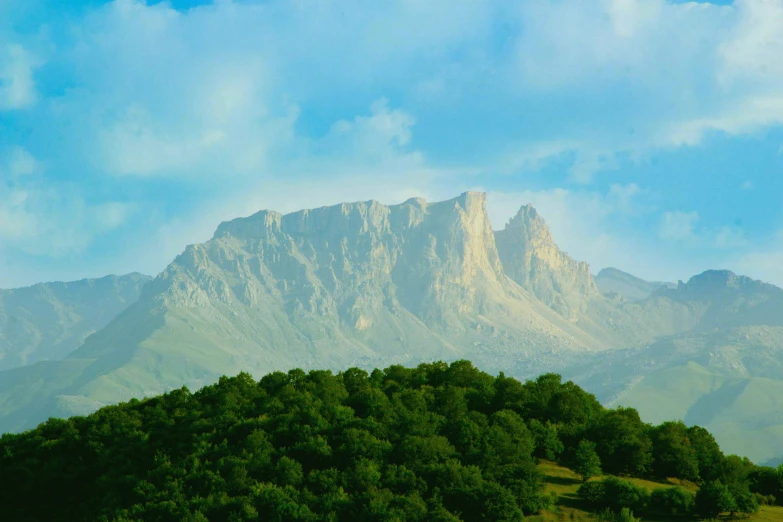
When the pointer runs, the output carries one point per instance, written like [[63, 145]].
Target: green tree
[[623, 442], [548, 444], [747, 503], [438, 442], [586, 462], [708, 453], [674, 501], [674, 454], [714, 498]]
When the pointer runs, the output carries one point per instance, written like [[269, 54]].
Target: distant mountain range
[[364, 284], [48, 321], [612, 282]]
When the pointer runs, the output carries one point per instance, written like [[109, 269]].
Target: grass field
[[563, 482]]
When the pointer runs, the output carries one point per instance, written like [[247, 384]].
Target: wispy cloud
[[41, 219], [254, 102], [678, 226], [17, 86]]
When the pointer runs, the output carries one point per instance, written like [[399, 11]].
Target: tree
[[714, 498], [708, 453], [548, 444], [764, 480], [614, 494], [623, 494], [674, 454], [623, 442], [439, 442], [671, 502], [586, 464], [747, 503]]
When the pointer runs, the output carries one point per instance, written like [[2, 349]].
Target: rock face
[[532, 259], [48, 321]]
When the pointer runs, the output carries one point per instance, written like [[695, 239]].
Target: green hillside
[[442, 442], [746, 415], [727, 380]]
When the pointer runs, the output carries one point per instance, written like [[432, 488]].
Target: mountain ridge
[[614, 282], [50, 320], [366, 284]]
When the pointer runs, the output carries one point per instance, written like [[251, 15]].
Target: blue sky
[[649, 134]]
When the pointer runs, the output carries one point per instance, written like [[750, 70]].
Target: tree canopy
[[439, 442]]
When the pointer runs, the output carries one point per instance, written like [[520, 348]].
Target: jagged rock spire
[[532, 259]]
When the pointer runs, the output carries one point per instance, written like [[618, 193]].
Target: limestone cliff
[[532, 259]]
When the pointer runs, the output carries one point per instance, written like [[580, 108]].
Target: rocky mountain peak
[[258, 225], [435, 259], [714, 283], [532, 259]]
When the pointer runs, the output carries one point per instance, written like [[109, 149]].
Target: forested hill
[[435, 443]]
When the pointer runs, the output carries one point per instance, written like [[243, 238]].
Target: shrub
[[614, 494], [593, 493], [607, 515], [713, 499], [747, 503], [621, 494], [672, 501], [765, 500]]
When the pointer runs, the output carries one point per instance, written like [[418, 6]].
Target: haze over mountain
[[365, 284], [49, 320], [726, 374], [613, 281], [353, 284]]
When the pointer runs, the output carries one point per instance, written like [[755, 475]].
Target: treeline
[[440, 442]]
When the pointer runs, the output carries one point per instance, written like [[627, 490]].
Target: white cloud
[[49, 219], [730, 237], [763, 262], [218, 89], [17, 162], [357, 160], [665, 74], [682, 228], [17, 86], [678, 226], [225, 93]]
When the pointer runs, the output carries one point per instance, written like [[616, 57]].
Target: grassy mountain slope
[[726, 380]]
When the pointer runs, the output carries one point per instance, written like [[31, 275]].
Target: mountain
[[532, 259], [611, 281], [48, 321], [725, 374], [365, 284], [729, 300], [359, 284]]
